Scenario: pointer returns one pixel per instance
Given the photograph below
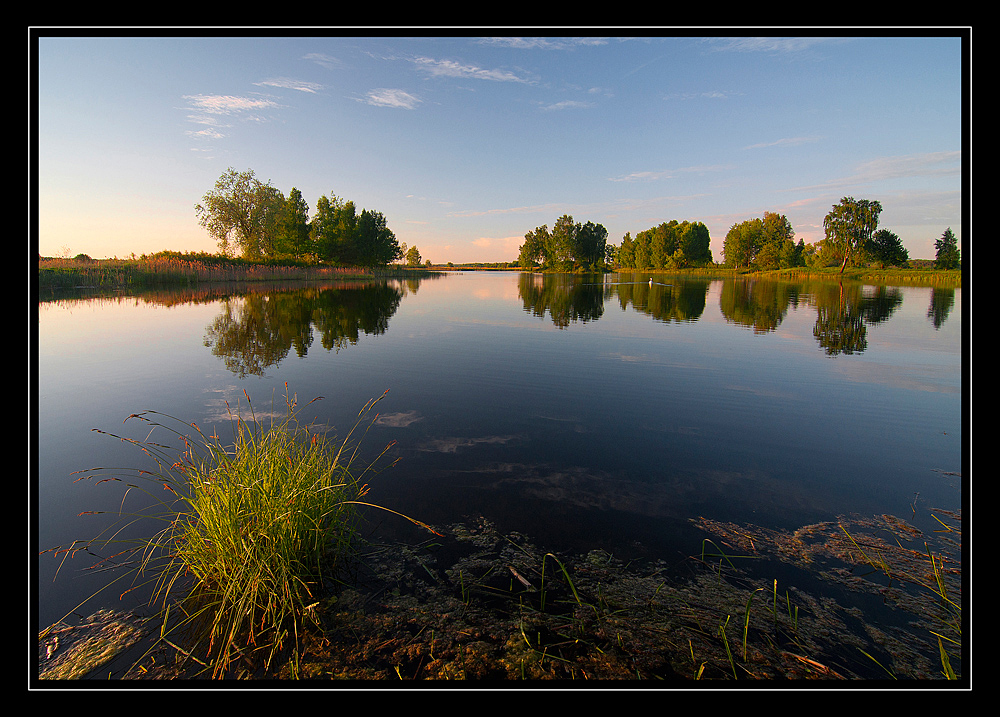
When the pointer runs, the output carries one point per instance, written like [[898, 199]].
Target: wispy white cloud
[[451, 68], [291, 84], [386, 97], [543, 43], [324, 60], [229, 104], [647, 176], [566, 105], [928, 164], [210, 133], [767, 44], [214, 111]]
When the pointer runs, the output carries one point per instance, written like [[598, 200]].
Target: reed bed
[[170, 268], [256, 530]]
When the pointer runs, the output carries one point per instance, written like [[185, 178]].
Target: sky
[[465, 143]]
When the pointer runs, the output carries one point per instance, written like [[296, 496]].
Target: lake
[[586, 412]]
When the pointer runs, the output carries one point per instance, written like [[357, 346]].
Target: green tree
[[334, 230], [765, 243], [625, 255], [533, 249], [591, 242], [695, 243], [796, 255], [321, 227], [742, 242], [849, 227], [948, 255], [610, 255], [376, 244], [561, 244], [768, 257], [413, 256], [242, 213], [779, 240], [662, 241], [887, 249], [293, 236]]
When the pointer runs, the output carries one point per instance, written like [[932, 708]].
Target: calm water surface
[[586, 412]]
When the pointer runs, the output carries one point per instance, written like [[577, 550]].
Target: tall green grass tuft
[[256, 528]]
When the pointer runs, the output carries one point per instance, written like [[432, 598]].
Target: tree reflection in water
[[257, 330]]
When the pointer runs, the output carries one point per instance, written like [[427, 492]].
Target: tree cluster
[[569, 246], [852, 237], [763, 244], [670, 245], [252, 218]]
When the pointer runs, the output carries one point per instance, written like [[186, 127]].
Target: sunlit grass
[[175, 268]]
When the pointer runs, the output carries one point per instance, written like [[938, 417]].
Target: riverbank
[[895, 276], [923, 274], [175, 269], [180, 270]]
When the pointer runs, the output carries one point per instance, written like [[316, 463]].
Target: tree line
[[851, 238], [572, 246], [670, 245], [252, 218]]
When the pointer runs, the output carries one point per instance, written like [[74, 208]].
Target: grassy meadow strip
[[893, 276]]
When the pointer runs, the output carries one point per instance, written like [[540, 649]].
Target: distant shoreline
[[169, 269]]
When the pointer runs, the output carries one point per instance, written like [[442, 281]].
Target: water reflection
[[680, 300], [844, 310], [565, 297], [570, 298], [844, 313], [942, 301], [759, 305], [256, 331]]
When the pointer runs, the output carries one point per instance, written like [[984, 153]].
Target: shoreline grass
[[176, 269], [256, 531]]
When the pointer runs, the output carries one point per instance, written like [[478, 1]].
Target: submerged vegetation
[[481, 605]]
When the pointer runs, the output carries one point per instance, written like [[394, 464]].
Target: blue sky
[[467, 143]]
